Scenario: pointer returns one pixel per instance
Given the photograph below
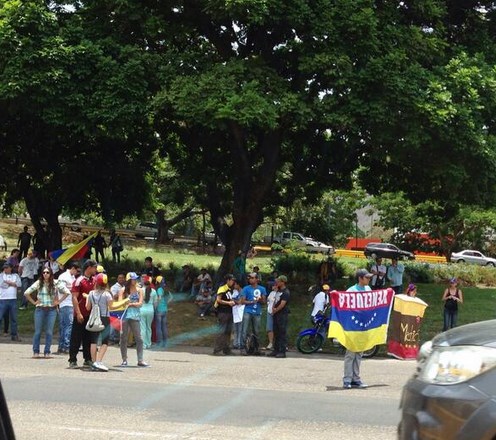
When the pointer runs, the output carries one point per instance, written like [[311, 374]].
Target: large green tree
[[73, 119]]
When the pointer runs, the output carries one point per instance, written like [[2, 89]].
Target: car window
[[477, 254]]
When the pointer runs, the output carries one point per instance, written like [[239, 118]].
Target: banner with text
[[404, 331], [359, 320]]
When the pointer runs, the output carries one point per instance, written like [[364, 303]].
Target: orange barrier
[[421, 258]]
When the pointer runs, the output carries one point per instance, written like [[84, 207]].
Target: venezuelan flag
[[75, 252], [359, 320]]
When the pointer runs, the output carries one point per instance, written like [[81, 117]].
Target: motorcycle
[[311, 340]]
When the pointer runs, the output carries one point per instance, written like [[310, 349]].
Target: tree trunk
[[40, 209], [164, 224]]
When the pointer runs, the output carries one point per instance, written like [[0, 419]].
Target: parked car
[[386, 250], [149, 230], [473, 257], [299, 239], [452, 395]]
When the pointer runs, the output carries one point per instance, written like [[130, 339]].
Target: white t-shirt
[[115, 289], [319, 302], [29, 267], [68, 279], [378, 268], [7, 291], [271, 299]]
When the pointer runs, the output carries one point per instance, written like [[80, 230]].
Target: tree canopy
[[256, 104]]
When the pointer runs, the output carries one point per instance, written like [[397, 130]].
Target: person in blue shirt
[[253, 296], [352, 360], [395, 275]]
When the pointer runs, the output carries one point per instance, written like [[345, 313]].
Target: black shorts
[[105, 333]]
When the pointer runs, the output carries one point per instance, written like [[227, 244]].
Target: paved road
[[189, 394]]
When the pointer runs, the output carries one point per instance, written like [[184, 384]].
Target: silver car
[[472, 257]]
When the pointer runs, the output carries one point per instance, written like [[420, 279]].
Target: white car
[[472, 257]]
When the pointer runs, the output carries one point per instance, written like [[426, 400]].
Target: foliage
[[465, 227], [329, 219]]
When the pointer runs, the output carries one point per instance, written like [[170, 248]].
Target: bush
[[419, 273]]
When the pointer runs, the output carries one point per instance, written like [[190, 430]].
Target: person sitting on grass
[[204, 300]]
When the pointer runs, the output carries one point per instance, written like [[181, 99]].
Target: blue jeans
[[238, 327], [66, 316], [44, 317], [450, 317], [253, 322], [161, 328], [8, 307], [25, 283]]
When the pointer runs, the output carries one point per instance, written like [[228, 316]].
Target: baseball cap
[[326, 287], [5, 265], [282, 278], [453, 280], [100, 268], [360, 273], [132, 276], [145, 279], [253, 275], [411, 287], [101, 279], [159, 279]]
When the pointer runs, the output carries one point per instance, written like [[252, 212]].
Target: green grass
[[185, 328]]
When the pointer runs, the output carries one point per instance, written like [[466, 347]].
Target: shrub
[[419, 273]]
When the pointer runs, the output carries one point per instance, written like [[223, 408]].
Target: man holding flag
[[353, 360], [359, 321]]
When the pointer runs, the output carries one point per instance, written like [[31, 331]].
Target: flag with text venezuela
[[359, 320]]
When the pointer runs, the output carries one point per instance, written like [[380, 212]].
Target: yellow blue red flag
[[74, 252], [359, 320]]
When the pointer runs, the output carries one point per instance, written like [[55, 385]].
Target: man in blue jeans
[[252, 296], [9, 283]]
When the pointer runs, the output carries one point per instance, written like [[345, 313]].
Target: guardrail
[[360, 254]]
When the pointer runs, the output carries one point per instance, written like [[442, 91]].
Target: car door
[[478, 258]]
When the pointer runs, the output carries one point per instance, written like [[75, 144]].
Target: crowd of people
[[133, 310]]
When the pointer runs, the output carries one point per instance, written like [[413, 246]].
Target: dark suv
[[386, 250], [453, 393]]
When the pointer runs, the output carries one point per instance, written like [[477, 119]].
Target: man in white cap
[[352, 360]]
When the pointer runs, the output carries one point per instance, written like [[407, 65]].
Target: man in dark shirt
[[280, 312], [224, 304], [150, 270], [24, 242]]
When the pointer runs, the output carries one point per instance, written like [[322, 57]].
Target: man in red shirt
[[83, 285]]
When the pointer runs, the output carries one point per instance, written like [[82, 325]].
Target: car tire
[[490, 264], [461, 261]]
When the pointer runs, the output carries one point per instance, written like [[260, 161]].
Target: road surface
[[189, 394]]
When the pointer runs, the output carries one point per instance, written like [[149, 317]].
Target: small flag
[[75, 252]]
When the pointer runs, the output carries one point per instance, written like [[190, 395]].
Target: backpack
[[94, 323], [252, 346]]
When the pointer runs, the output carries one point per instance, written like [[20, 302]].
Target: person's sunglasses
[[46, 272]]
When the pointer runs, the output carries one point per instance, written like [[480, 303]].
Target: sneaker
[[269, 347], [124, 364], [347, 386], [94, 366], [102, 367], [280, 355], [99, 366], [87, 364], [272, 354], [358, 384], [73, 365], [16, 338], [143, 364]]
